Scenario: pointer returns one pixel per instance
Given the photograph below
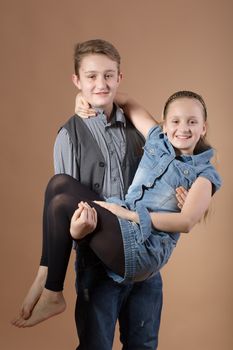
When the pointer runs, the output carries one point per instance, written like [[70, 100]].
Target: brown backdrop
[[165, 46]]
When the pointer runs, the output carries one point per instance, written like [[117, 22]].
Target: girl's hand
[[181, 194], [117, 210], [83, 221], [83, 108]]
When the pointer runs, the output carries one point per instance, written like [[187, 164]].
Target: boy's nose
[[101, 83]]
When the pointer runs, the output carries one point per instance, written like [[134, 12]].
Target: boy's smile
[[98, 80]]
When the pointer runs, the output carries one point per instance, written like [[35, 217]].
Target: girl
[[134, 238]]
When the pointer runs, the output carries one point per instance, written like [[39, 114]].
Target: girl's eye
[[174, 121], [193, 122]]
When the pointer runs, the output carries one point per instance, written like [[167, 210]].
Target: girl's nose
[[184, 127]]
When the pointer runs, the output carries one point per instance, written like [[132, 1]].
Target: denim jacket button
[[186, 172]]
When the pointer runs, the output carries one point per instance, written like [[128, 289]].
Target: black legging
[[62, 196]]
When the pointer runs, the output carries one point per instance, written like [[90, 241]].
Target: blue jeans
[[101, 301]]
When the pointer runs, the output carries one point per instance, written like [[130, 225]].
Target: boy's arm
[[196, 204], [64, 155]]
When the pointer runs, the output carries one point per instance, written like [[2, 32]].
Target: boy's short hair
[[95, 46]]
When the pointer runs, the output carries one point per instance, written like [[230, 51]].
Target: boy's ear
[[120, 77], [76, 81]]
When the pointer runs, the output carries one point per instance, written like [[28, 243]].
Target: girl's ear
[[163, 126], [204, 129]]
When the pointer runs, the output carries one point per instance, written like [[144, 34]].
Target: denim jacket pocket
[[149, 159]]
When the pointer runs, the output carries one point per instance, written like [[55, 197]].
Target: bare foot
[[33, 294], [50, 304]]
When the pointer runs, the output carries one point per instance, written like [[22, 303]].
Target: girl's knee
[[57, 184]]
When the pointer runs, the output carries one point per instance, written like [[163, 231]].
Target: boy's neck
[[107, 111]]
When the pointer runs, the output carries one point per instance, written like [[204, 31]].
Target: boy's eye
[[91, 76], [107, 76], [193, 122]]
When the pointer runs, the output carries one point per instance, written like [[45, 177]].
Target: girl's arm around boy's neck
[[137, 114]]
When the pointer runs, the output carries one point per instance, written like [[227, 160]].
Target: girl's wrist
[[134, 217]]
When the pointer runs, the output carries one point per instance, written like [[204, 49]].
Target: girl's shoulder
[[155, 131], [209, 171]]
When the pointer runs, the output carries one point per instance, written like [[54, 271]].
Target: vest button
[[96, 185], [101, 164]]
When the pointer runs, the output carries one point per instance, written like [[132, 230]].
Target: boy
[[103, 153]]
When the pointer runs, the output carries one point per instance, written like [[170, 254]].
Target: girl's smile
[[184, 124]]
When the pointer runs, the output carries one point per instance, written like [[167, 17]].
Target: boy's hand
[[83, 221], [181, 194], [83, 108]]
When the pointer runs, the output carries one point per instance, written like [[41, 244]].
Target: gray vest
[[90, 160]]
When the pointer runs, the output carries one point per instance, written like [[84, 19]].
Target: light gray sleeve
[[64, 155]]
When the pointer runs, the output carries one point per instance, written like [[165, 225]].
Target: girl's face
[[184, 124]]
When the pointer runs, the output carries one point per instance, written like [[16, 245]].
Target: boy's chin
[[102, 105]]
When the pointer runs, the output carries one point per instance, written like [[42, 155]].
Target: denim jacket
[[159, 173]]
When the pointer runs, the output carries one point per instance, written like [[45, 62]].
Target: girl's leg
[[51, 204], [38, 284], [62, 196], [34, 293], [54, 187]]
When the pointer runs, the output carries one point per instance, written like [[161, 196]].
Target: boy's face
[[98, 80]]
